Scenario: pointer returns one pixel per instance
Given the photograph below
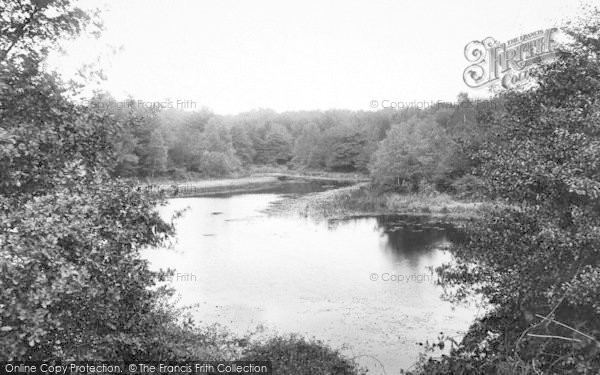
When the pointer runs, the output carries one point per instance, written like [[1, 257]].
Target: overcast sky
[[233, 56]]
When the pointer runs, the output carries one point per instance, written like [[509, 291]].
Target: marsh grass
[[362, 200]]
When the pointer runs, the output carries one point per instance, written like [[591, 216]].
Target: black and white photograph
[[316, 187]]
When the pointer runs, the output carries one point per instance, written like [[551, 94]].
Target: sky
[[234, 56]]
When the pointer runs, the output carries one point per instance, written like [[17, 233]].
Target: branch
[[526, 332], [553, 337], [568, 327], [20, 33]]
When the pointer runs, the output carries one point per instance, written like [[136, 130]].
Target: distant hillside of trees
[[400, 148]]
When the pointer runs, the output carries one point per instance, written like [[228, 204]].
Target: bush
[[296, 355], [537, 261], [178, 174], [469, 186], [426, 188], [218, 164], [411, 151]]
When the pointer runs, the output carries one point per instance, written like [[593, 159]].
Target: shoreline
[[339, 203], [245, 184], [357, 201]]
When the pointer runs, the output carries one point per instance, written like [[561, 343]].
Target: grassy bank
[[224, 186], [355, 200], [287, 354], [246, 184], [253, 171], [359, 199]]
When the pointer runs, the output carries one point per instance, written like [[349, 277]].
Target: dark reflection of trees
[[407, 239]]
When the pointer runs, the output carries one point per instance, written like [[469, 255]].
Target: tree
[[344, 145], [45, 22], [466, 126], [244, 149], [73, 283], [537, 261], [410, 153], [182, 131], [217, 164], [127, 163], [308, 150], [155, 158], [218, 157], [275, 146], [217, 137]]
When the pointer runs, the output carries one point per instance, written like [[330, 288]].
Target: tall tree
[[155, 160], [537, 262], [73, 283], [218, 157], [308, 148], [244, 148], [411, 152], [275, 145]]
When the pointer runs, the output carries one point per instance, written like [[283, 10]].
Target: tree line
[[399, 148]]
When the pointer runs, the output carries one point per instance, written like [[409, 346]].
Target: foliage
[[295, 355], [275, 146], [216, 164], [537, 262], [244, 148], [410, 153], [218, 157], [306, 153], [183, 132], [364, 200], [342, 141], [45, 22], [469, 186], [73, 284], [344, 147], [155, 154]]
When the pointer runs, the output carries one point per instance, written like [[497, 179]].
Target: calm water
[[362, 282]]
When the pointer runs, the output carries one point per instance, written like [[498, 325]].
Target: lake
[[365, 283]]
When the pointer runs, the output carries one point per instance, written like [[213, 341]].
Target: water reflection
[[408, 240]]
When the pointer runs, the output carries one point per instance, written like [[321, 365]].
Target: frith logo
[[509, 63]]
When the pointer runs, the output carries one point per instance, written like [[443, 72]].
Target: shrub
[[426, 188], [537, 261], [295, 355], [178, 174], [217, 164], [469, 186]]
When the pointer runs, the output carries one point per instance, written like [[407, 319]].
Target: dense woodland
[[399, 148], [536, 258], [73, 284]]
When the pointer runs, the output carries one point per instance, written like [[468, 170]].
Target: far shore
[[338, 203], [357, 201], [248, 184]]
